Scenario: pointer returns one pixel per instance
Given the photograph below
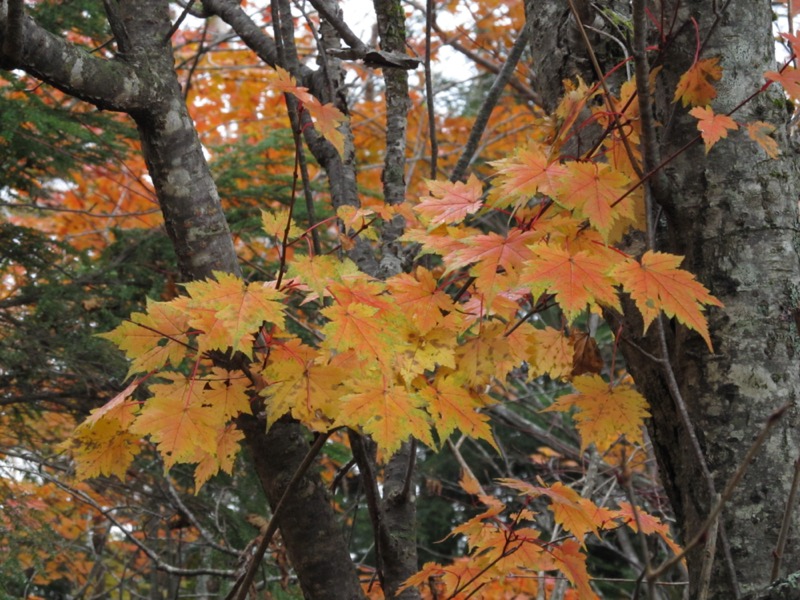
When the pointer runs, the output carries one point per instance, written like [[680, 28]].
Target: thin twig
[[429, 89], [785, 523], [708, 558]]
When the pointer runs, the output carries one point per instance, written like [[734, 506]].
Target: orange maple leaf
[[592, 191], [284, 82], [576, 280], [497, 259], [327, 118], [695, 87], [712, 127], [450, 202], [759, 132], [604, 413], [575, 514], [520, 177], [354, 327], [572, 563], [420, 299], [789, 78], [658, 284], [648, 523]]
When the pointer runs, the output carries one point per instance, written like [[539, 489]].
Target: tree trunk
[[142, 82], [733, 213]]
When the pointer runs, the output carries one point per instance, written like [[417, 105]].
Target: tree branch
[[108, 84]]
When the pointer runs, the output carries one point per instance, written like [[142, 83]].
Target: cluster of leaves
[[411, 356], [423, 353]]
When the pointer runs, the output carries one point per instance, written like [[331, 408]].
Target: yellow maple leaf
[[453, 405], [177, 421], [230, 312], [102, 448], [301, 383], [550, 353], [226, 393], [154, 338], [390, 414], [605, 413], [220, 457], [275, 221]]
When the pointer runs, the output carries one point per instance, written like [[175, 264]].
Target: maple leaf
[[327, 118], [453, 406], [102, 448], [358, 220], [550, 353], [284, 82], [450, 202], [494, 255], [484, 357], [572, 562], [575, 514], [658, 284], [317, 272], [300, 383], [177, 421], [648, 523], [419, 297], [118, 408], [528, 172], [229, 311], [695, 86], [425, 353], [759, 132], [712, 127], [604, 413], [390, 414], [576, 279], [590, 189], [226, 394], [789, 78], [275, 221], [221, 457], [152, 339], [356, 327]]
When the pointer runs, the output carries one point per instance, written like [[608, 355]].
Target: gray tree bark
[[734, 214]]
